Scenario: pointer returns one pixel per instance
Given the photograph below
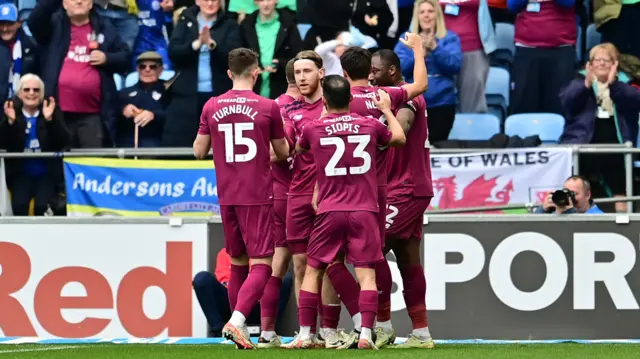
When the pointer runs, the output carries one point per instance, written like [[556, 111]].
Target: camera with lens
[[563, 197]]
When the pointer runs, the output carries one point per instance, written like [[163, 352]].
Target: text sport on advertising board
[[101, 280]]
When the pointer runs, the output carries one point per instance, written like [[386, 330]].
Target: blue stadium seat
[[504, 37], [118, 80], [132, 78], [474, 126], [24, 4], [593, 38], [497, 89], [548, 126], [303, 29]]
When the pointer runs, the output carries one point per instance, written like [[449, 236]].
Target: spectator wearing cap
[[32, 123], [83, 52], [18, 52], [199, 50], [471, 21], [143, 105], [545, 39], [272, 33], [152, 18]]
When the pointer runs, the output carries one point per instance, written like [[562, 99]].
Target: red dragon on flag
[[476, 194]]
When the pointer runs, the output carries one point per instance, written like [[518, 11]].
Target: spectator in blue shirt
[[581, 202], [443, 59], [32, 124]]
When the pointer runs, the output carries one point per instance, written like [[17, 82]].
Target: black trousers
[[24, 187], [440, 122], [85, 129], [537, 76]]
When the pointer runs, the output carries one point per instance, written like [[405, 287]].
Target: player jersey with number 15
[[241, 125], [344, 148]]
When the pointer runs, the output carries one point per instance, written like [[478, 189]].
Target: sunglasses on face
[[146, 66], [29, 89]]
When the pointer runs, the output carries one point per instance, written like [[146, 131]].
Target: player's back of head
[[336, 92], [356, 63], [290, 72], [242, 62]]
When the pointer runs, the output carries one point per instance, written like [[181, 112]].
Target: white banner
[[498, 178], [101, 280]]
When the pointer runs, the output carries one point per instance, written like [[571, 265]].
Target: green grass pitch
[[470, 351]]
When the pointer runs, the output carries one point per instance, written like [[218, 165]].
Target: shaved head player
[[282, 173], [242, 126], [343, 146], [356, 64], [409, 193]]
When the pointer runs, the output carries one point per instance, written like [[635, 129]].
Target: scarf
[[15, 71], [604, 99]]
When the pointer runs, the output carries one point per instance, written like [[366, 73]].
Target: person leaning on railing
[[579, 202], [32, 124], [602, 108]]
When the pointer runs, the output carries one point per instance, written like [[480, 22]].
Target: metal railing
[[626, 149]]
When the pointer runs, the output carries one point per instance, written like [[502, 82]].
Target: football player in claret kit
[[242, 127], [300, 213], [343, 146], [356, 64], [409, 193], [282, 173]]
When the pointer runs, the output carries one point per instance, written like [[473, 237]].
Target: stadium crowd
[[136, 73], [170, 57]]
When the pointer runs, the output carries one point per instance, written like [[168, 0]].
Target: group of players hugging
[[336, 169]]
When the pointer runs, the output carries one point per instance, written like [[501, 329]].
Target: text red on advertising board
[[48, 301]]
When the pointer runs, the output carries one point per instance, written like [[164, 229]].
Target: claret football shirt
[[343, 147], [241, 125]]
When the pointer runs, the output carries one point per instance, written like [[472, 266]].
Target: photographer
[[575, 197]]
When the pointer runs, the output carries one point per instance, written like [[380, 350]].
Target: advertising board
[[101, 279]]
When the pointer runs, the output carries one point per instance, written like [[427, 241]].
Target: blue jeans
[[126, 24], [214, 301]]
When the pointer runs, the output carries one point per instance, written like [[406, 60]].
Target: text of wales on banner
[[119, 187], [497, 178]]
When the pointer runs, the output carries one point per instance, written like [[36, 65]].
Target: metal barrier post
[[575, 151], [628, 171]]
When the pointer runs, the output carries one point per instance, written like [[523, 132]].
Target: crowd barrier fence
[[627, 150]]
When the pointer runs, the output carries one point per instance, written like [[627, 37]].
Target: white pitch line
[[38, 349]]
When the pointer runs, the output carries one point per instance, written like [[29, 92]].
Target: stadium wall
[[489, 277]]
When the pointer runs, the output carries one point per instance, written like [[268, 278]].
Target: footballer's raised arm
[[419, 85], [279, 143], [398, 137], [202, 144]]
